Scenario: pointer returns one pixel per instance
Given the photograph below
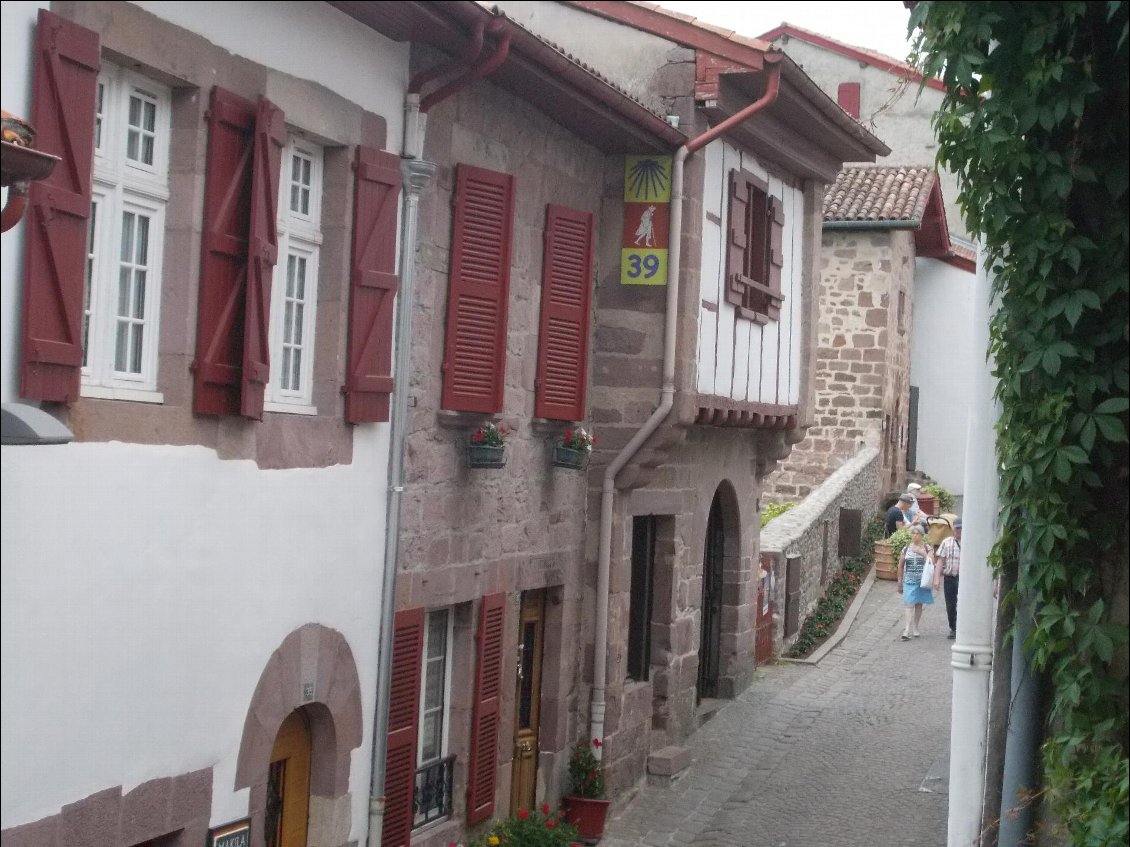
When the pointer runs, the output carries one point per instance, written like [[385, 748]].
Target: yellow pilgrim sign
[[647, 204]]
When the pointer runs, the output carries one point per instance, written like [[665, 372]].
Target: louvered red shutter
[[65, 77], [848, 98], [482, 769], [403, 722], [263, 251], [373, 285], [776, 215], [738, 242], [566, 289], [224, 255], [474, 363]]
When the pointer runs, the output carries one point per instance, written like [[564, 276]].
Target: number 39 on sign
[[643, 266]]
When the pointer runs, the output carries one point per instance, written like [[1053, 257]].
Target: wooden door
[[711, 634], [527, 702], [288, 784]]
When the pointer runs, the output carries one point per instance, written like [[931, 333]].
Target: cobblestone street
[[851, 752]]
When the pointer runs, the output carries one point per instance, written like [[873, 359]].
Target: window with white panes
[[130, 192], [294, 286], [435, 699]]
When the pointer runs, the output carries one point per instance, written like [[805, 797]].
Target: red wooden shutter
[[482, 769], [65, 77], [738, 243], [372, 286], [224, 255], [403, 722], [566, 289], [848, 98], [263, 251], [474, 363], [776, 215]]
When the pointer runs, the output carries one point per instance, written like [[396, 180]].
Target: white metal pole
[[972, 653]]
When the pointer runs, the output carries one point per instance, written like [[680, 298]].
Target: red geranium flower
[[549, 824], [545, 808], [596, 742], [523, 814]]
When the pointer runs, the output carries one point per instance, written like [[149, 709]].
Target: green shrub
[[530, 828], [774, 510], [899, 540]]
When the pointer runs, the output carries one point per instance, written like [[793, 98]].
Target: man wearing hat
[[897, 516], [915, 511], [948, 558]]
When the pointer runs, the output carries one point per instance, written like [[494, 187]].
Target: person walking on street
[[897, 516], [911, 564], [949, 564]]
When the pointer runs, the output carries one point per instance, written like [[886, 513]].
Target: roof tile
[[879, 193]]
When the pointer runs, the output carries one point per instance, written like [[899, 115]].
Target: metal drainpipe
[[417, 175], [972, 652], [666, 396]]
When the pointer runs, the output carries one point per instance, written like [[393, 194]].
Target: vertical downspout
[[972, 652], [417, 175], [666, 395]]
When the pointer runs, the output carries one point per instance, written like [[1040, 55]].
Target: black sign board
[[235, 834]]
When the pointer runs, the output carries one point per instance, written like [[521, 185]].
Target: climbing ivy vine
[[1034, 124]]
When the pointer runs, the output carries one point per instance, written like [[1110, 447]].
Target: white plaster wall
[[145, 587], [143, 591], [16, 40], [941, 357], [310, 41], [620, 52], [739, 359]]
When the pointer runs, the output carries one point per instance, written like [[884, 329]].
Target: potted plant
[[528, 828], [887, 552], [573, 451], [487, 447], [585, 806]]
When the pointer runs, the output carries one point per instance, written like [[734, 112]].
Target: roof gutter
[[417, 174], [666, 394], [873, 224]]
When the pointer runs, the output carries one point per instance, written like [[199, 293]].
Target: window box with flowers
[[529, 828], [585, 806], [574, 449], [487, 447]]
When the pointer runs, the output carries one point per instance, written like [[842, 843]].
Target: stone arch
[[312, 670]]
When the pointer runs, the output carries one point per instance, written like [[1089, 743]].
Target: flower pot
[[886, 566], [587, 816], [484, 456], [567, 457]]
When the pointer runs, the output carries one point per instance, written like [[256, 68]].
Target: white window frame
[[300, 236], [121, 186], [449, 611]]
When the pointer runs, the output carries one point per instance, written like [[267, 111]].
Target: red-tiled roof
[[879, 193]]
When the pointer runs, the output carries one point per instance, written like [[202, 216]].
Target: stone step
[[666, 765]]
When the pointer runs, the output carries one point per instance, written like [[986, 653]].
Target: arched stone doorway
[[308, 695], [720, 559]]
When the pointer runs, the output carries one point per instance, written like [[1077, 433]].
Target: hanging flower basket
[[485, 456], [567, 457]]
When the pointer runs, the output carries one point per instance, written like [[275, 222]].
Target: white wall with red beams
[[739, 359], [145, 587]]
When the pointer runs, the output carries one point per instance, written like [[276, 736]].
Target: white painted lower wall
[[940, 359], [143, 591]]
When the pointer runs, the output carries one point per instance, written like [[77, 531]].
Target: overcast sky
[[877, 24]]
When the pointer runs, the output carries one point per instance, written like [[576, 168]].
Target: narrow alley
[[850, 752]]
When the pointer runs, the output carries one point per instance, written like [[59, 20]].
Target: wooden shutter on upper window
[[474, 363], [848, 98], [482, 769], [403, 724], [224, 254], [263, 251], [738, 242], [373, 286], [565, 297], [65, 77], [776, 216]]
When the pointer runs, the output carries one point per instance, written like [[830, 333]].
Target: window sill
[[463, 420], [133, 395], [548, 426], [290, 409]]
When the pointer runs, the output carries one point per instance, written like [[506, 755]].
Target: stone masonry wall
[[809, 534], [863, 361]]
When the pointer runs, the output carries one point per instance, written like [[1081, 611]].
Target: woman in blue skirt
[[914, 596]]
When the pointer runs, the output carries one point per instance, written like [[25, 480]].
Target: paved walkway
[[850, 752]]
